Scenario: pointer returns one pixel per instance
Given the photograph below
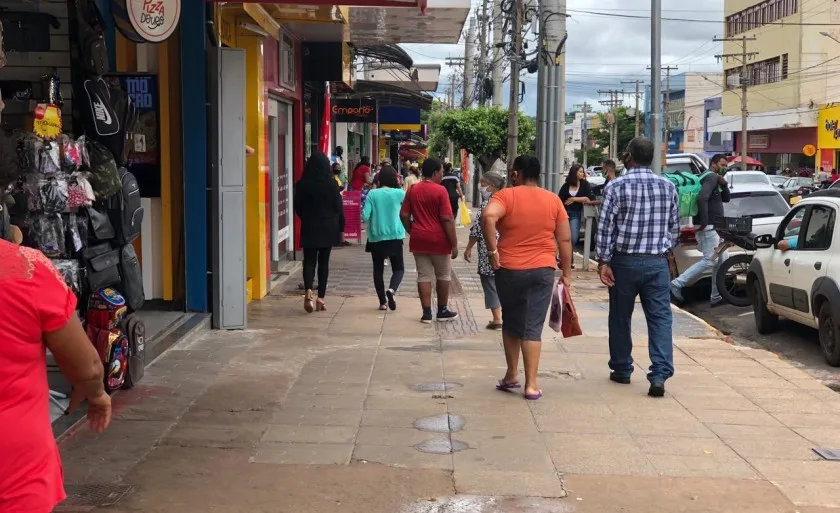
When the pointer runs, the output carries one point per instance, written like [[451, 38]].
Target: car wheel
[[829, 335], [765, 321]]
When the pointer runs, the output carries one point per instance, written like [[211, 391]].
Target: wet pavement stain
[[441, 446], [443, 423], [485, 504], [435, 387]]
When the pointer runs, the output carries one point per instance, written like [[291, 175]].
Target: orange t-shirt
[[526, 232]]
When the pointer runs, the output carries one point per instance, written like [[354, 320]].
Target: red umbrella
[[750, 161]]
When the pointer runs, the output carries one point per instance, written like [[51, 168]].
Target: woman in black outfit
[[575, 193], [319, 206]]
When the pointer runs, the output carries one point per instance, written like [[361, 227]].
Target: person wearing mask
[[491, 182], [452, 182], [714, 193], [39, 313], [533, 225], [574, 194], [427, 217], [385, 235], [320, 208], [639, 225], [610, 171], [413, 177]]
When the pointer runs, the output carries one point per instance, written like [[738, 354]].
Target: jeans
[[648, 278], [707, 241], [316, 258], [574, 224], [397, 273]]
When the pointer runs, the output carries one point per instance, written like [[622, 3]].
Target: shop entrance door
[[280, 172], [227, 95]]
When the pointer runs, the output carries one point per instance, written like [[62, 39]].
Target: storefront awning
[[391, 54], [387, 94]]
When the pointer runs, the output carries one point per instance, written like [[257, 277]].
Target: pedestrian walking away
[[452, 182], [532, 225], [428, 219], [385, 235], [714, 193], [639, 225], [574, 194], [39, 313], [318, 204], [491, 182], [413, 177]]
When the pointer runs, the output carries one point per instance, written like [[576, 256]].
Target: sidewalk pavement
[[356, 410]]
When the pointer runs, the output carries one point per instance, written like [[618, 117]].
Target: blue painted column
[[195, 151]]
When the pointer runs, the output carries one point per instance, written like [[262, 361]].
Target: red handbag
[[569, 325]]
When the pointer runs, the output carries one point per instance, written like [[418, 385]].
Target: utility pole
[[616, 99], [450, 103], [667, 110], [656, 82], [551, 81], [482, 54], [585, 108], [454, 62], [744, 56], [513, 108], [497, 71], [638, 84], [469, 66]]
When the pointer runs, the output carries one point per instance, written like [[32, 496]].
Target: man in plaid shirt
[[639, 225]]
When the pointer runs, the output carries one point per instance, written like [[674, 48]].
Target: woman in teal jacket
[[385, 234]]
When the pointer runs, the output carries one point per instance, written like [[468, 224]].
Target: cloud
[[602, 51]]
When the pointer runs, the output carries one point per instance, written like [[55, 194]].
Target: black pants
[[454, 203], [397, 273], [320, 258]]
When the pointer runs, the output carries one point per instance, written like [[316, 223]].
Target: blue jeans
[[707, 241], [648, 278], [574, 224]]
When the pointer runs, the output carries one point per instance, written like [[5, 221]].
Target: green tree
[[482, 131], [626, 130], [594, 156]]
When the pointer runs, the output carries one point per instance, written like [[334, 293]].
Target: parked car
[[777, 180], [801, 284], [761, 202], [595, 176], [795, 188], [738, 179]]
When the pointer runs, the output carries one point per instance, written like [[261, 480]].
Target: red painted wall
[[789, 140]]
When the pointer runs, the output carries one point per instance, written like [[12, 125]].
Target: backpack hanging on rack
[[126, 210], [135, 330], [91, 31]]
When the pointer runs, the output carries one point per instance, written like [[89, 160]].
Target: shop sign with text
[[354, 111], [154, 20]]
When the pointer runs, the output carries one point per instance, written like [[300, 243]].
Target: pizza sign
[[154, 20]]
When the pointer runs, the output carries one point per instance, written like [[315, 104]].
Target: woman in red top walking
[[362, 175], [39, 314]]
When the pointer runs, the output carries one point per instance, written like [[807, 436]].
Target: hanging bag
[[91, 32]]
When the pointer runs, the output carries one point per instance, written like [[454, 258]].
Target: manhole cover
[[90, 496], [435, 387], [443, 423], [441, 446], [829, 454]]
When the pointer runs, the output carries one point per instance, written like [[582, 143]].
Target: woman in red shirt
[[361, 175], [39, 314]]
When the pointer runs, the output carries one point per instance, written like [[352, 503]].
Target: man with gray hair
[[639, 226]]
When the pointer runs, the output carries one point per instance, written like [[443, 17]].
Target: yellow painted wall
[[256, 167], [827, 136]]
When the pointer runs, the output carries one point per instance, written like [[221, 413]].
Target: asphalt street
[[796, 343]]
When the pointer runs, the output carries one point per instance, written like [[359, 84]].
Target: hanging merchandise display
[[73, 199]]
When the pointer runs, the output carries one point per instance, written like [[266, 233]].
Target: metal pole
[[498, 65], [559, 28], [744, 108], [542, 108], [481, 97], [667, 112], [513, 108], [551, 136], [583, 141], [469, 68], [656, 82]]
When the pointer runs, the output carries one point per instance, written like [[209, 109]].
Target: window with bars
[[767, 71], [769, 11]]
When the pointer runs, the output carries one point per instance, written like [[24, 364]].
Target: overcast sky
[[603, 50]]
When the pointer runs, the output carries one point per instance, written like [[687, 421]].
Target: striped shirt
[[639, 216]]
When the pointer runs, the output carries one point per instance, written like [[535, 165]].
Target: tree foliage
[[594, 156], [626, 130], [482, 131]]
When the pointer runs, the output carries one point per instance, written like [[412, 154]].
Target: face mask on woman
[[485, 192]]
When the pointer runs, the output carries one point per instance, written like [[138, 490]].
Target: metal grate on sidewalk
[[87, 497]]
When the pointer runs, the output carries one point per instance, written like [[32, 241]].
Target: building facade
[[683, 105]]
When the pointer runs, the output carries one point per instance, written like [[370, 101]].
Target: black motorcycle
[[731, 277]]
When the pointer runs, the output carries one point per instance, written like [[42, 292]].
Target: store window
[[769, 11]]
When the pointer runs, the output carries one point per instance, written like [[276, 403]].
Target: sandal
[[383, 308], [307, 302], [495, 326], [320, 306], [504, 386], [534, 397]]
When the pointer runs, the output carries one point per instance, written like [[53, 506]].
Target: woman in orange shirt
[[532, 224]]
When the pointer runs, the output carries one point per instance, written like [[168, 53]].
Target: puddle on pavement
[[484, 504], [443, 423], [435, 387], [441, 446]]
